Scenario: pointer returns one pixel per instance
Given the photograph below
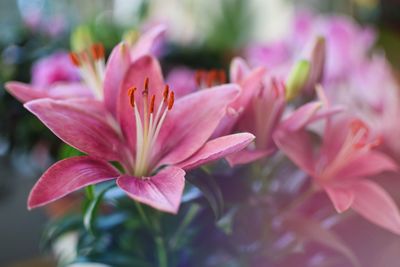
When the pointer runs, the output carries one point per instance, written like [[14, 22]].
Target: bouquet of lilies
[[220, 167]]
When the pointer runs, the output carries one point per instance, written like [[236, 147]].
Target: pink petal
[[191, 122], [341, 197], [302, 116], [369, 163], [162, 191], [69, 90], [67, 176], [297, 146], [117, 64], [250, 85], [137, 72], [238, 70], [25, 92], [147, 41], [374, 203], [246, 156], [83, 124], [218, 148]]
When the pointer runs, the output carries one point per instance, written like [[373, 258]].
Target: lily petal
[[191, 122], [341, 197], [117, 65], [162, 191], [67, 176], [24, 92], [370, 163], [83, 124], [137, 72], [247, 156], [296, 145], [218, 148], [374, 203], [302, 116], [147, 41], [238, 70]]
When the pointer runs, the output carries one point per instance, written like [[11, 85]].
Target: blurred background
[[31, 29]]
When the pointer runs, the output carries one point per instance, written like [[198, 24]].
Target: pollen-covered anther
[[74, 59], [165, 93], [152, 102], [97, 51], [146, 86], [171, 100], [360, 132], [131, 94], [211, 78], [222, 77]]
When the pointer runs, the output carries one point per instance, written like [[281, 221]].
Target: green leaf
[[206, 183], [92, 208], [67, 151]]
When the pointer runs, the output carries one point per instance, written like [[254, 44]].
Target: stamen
[[146, 86], [153, 99], [165, 93], [171, 100], [211, 77], [199, 77], [131, 94], [275, 87], [222, 77], [74, 59], [97, 51]]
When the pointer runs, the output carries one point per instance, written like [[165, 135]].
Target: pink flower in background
[[344, 40], [341, 164], [97, 79], [183, 81], [259, 109], [154, 137], [52, 69], [372, 93]]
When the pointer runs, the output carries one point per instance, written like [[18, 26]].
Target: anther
[[146, 84], [97, 51], [131, 94], [171, 100], [165, 93], [153, 99], [211, 77], [222, 77], [199, 77], [74, 59]]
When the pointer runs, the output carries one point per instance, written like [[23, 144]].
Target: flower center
[[148, 124], [91, 65], [209, 78], [357, 141]]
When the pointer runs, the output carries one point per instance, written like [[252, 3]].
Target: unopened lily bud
[[317, 61], [81, 38], [297, 79]]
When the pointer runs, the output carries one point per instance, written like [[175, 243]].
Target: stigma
[[149, 119], [91, 65]]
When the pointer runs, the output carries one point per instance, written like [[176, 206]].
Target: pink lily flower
[[98, 79], [341, 164], [257, 110], [155, 138]]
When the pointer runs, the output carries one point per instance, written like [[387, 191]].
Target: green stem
[[161, 251], [142, 214]]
